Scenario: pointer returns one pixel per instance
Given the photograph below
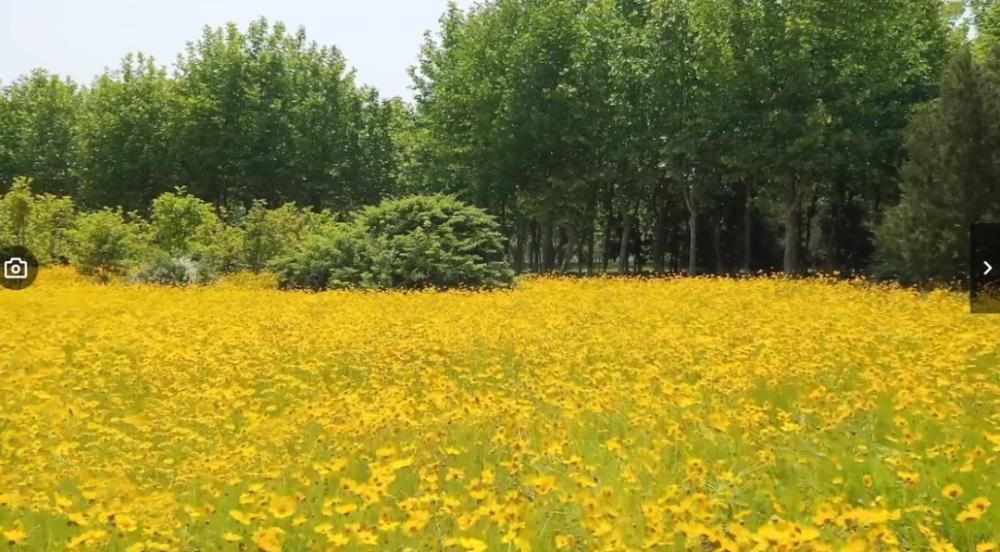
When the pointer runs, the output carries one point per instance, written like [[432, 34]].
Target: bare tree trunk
[[659, 239], [548, 248], [590, 250], [748, 226], [535, 255], [810, 215], [792, 216], [690, 201], [637, 246], [519, 248], [720, 267], [659, 230], [693, 244], [626, 235], [569, 248], [609, 224]]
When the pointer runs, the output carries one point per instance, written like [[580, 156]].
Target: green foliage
[[104, 244], [127, 126], [270, 233], [438, 241], [39, 222], [414, 242], [38, 119], [52, 218], [15, 213], [332, 259], [266, 114], [952, 178], [623, 131], [181, 224]]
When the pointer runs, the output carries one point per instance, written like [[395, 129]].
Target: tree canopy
[[708, 135]]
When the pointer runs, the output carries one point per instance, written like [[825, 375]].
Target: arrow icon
[[989, 268]]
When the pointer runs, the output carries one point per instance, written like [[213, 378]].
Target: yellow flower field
[[566, 415]]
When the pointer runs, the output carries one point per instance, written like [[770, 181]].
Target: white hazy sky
[[79, 38]]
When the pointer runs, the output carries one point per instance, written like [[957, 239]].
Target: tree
[[38, 132], [127, 151], [267, 115], [952, 176]]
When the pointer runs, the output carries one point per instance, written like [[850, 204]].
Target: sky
[[79, 38]]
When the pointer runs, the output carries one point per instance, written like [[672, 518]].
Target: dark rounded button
[[18, 267]]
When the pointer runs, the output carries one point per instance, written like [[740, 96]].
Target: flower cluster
[[603, 414]]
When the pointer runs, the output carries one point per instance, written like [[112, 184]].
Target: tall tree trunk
[[626, 235], [590, 249], [609, 225], [693, 244], [568, 250], [810, 215], [659, 239], [519, 248], [692, 207], [535, 247], [748, 226], [792, 219], [636, 245], [717, 245], [548, 248], [838, 204], [674, 246], [659, 229]]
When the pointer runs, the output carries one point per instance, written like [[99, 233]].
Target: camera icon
[[15, 268]]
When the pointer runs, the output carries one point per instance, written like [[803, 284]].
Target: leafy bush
[[271, 233], [15, 213], [183, 226], [52, 218], [103, 243], [331, 259], [39, 222], [419, 241], [438, 241]]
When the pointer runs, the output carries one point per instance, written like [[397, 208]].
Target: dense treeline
[[628, 135], [706, 135], [261, 114]]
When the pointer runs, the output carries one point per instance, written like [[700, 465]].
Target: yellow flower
[[968, 515], [564, 542], [125, 523], [910, 478], [269, 539], [231, 537], [242, 517], [15, 535], [980, 504], [470, 545], [282, 506], [951, 491], [543, 483], [974, 510]]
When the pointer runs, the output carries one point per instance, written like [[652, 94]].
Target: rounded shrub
[[413, 242], [432, 241], [103, 243], [330, 259]]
